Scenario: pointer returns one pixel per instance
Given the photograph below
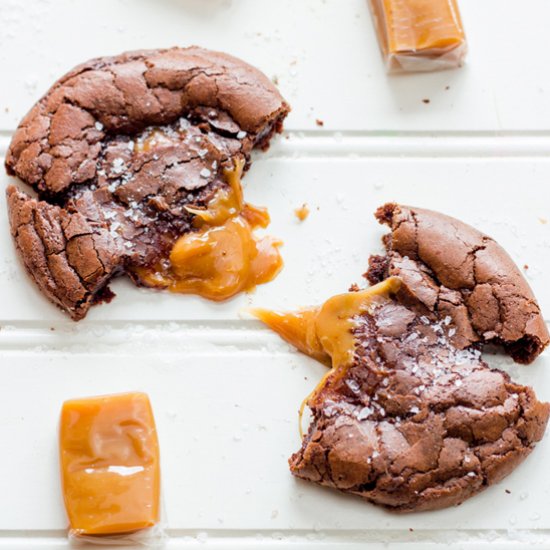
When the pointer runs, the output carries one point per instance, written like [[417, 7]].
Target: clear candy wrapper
[[110, 471], [419, 35]]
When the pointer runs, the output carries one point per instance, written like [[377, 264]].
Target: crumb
[[52, 328], [526, 266], [305, 378], [447, 87], [354, 288], [411, 529], [6, 109], [544, 221], [302, 213], [275, 80], [319, 122], [425, 101], [507, 491]]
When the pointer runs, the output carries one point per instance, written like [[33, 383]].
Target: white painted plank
[[324, 54], [227, 421]]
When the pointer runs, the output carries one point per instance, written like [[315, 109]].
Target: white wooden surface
[[225, 390]]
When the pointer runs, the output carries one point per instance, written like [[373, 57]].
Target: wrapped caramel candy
[[419, 35], [110, 469]]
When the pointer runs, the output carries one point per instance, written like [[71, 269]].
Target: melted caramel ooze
[[326, 332], [223, 256]]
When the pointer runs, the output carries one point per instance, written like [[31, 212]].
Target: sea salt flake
[[452, 332], [471, 474], [241, 134], [98, 126], [353, 385], [202, 153], [365, 412], [414, 410], [205, 173], [118, 166], [458, 383], [447, 320]]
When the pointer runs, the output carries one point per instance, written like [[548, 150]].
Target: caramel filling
[[223, 256], [325, 333], [110, 469], [418, 26]]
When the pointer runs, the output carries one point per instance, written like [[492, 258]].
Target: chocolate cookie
[[452, 269], [118, 150], [410, 417]]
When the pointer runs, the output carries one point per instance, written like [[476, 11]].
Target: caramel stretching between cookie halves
[[223, 256]]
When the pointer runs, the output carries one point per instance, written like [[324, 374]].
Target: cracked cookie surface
[[117, 149], [450, 268], [415, 423], [410, 417]]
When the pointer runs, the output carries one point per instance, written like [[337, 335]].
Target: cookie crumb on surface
[[302, 213], [425, 101], [319, 122], [544, 221]]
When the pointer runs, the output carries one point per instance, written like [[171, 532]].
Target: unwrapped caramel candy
[[419, 35], [110, 468]]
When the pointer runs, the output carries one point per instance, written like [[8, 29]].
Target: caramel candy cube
[[110, 469], [419, 35]]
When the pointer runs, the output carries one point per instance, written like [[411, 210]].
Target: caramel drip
[[223, 256], [325, 333], [302, 212]]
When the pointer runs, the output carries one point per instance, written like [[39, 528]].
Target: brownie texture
[[450, 268], [116, 149], [419, 421]]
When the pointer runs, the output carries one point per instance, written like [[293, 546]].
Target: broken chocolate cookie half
[[137, 160], [409, 416]]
